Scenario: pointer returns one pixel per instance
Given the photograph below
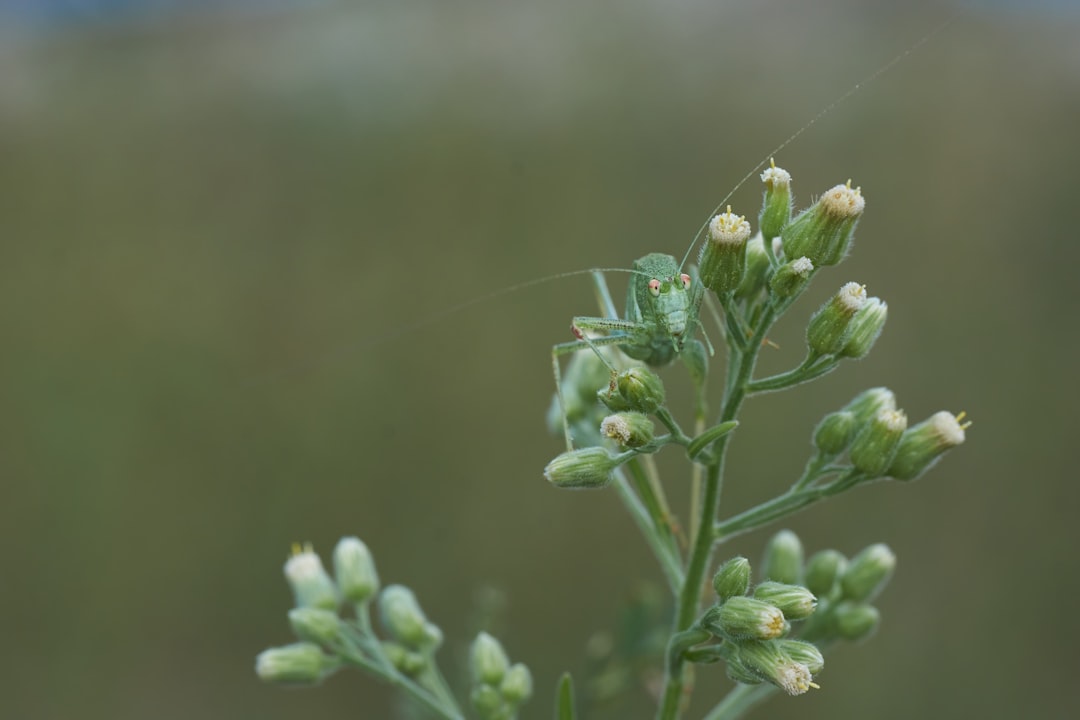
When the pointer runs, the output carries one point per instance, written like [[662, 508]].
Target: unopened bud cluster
[[875, 436], [755, 622], [498, 688], [845, 589]]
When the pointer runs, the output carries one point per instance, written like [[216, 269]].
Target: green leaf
[[710, 436], [564, 703]]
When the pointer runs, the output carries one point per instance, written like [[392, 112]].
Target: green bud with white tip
[[488, 702], [300, 663], [835, 432], [868, 573], [783, 561], [354, 570], [740, 673], [823, 571], [769, 661], [830, 327], [866, 326], [795, 601], [855, 621], [875, 445], [776, 205], [589, 467], [922, 445], [310, 583], [868, 403], [487, 660], [732, 578], [628, 429], [723, 256], [823, 232], [791, 278], [742, 618]]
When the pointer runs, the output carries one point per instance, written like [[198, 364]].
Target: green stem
[[811, 368], [666, 553], [784, 505], [391, 675], [705, 539], [739, 700], [677, 434], [432, 678]]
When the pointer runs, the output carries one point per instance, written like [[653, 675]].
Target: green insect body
[[661, 318]]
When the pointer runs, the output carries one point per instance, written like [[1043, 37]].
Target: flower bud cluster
[[754, 622], [499, 688], [845, 589], [877, 440], [326, 636]]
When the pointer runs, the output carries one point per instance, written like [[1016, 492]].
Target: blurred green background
[[227, 239]]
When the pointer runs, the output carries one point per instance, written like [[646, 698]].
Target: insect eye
[[685, 280], [654, 287]]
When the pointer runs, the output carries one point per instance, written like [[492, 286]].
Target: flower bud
[[776, 205], [641, 389], [403, 618], [803, 653], [316, 625], [922, 445], [823, 232], [487, 660], [311, 585], [795, 601], [408, 662], [723, 256], [757, 269], [868, 403], [589, 467], [856, 621], [830, 326], [629, 429], [873, 449], [517, 685], [737, 671], [835, 432], [865, 328], [868, 573], [732, 579], [783, 560], [297, 663], [741, 618], [823, 570], [772, 664], [487, 700], [791, 278], [354, 570]]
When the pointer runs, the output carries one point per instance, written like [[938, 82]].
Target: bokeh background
[[229, 235]]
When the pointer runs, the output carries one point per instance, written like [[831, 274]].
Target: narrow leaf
[[564, 704], [710, 436]]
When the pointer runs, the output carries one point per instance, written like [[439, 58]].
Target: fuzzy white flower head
[[843, 201], [774, 176], [852, 296], [948, 427], [729, 229], [794, 678], [304, 566], [615, 427], [802, 267], [892, 420]]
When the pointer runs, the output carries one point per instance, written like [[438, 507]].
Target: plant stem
[[742, 369], [812, 367], [666, 552], [739, 700]]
